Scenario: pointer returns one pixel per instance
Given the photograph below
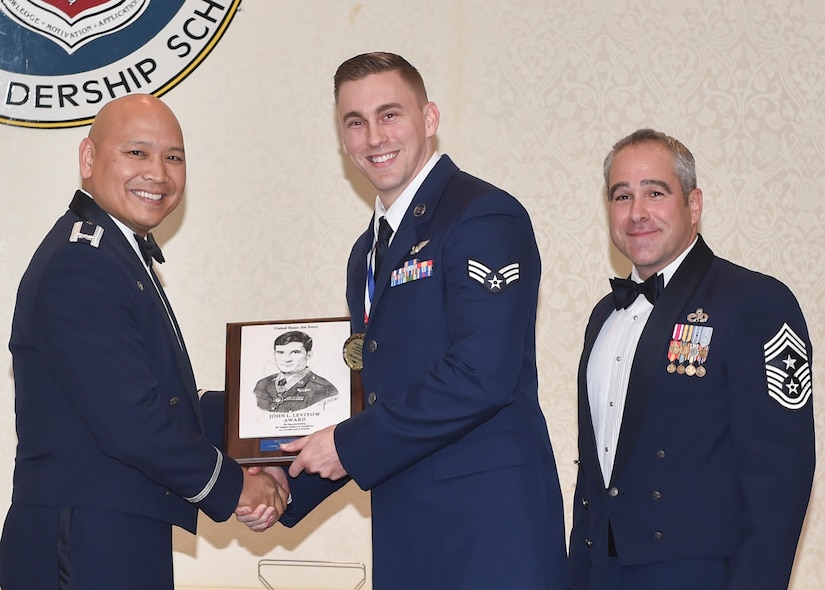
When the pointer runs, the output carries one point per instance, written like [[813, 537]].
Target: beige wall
[[532, 95]]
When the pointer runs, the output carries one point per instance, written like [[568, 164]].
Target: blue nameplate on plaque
[[274, 444]]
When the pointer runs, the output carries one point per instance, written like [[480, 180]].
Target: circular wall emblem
[[61, 60]]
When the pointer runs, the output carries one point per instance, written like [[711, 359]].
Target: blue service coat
[[717, 466], [106, 405], [452, 443]]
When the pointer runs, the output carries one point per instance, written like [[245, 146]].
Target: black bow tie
[[625, 291], [150, 249]]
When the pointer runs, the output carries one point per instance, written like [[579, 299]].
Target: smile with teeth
[[147, 195], [382, 158]]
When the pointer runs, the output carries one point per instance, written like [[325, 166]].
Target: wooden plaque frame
[[244, 441]]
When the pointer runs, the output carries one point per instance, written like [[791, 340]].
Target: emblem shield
[[73, 23]]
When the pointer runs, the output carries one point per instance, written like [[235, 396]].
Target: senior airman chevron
[[494, 281]]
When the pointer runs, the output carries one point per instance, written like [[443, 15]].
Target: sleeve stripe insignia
[[92, 238], [787, 369], [493, 281]]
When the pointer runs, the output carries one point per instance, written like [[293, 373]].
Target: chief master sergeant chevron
[[696, 438], [111, 451]]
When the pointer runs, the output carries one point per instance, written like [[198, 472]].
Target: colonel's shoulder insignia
[[787, 369], [494, 281], [86, 231]]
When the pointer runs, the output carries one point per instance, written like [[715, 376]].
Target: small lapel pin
[[419, 210]]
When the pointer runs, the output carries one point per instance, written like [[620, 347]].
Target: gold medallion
[[354, 352], [690, 370], [701, 371], [671, 368], [680, 369]]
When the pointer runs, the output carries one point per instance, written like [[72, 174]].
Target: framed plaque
[[287, 379]]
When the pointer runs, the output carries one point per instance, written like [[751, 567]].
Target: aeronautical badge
[[80, 232], [787, 369], [494, 281], [418, 247]]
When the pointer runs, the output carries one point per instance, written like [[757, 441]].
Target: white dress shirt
[[608, 368]]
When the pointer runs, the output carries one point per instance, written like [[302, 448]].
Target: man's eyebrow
[[388, 107], [645, 182], [380, 109], [133, 143], [616, 187], [656, 182]]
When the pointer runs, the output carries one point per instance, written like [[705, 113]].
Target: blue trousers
[[51, 548]]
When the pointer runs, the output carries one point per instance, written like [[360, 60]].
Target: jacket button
[[173, 401], [585, 503], [167, 492], [372, 345], [613, 492], [371, 398], [660, 454], [658, 535], [588, 542], [656, 495]]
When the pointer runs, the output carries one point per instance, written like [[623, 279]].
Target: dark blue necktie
[[383, 242]]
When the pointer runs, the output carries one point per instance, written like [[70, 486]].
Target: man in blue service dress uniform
[[696, 438], [452, 443], [110, 450]]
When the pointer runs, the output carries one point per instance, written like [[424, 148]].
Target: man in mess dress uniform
[[696, 435]]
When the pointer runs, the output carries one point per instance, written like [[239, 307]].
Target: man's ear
[[695, 202], [86, 156], [432, 116]]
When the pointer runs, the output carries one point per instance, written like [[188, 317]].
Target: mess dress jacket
[[718, 466], [107, 409], [452, 443]]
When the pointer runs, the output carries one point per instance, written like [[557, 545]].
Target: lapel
[[587, 436], [415, 223], [357, 278], [86, 208], [653, 344]]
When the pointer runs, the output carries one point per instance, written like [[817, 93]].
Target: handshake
[[265, 491], [263, 498]]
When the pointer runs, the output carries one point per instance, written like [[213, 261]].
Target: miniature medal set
[[689, 345]]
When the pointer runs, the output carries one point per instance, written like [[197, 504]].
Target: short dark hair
[[294, 336], [683, 163], [377, 62]]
